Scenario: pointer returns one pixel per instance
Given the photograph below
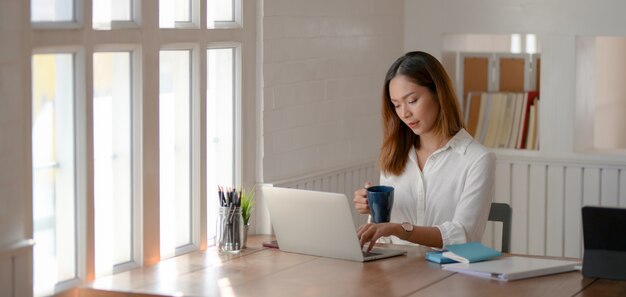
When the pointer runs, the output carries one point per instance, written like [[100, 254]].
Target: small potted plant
[[247, 204]]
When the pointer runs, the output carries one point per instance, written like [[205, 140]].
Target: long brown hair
[[424, 70]]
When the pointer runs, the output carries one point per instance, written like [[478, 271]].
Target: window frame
[[79, 82], [195, 135], [133, 23], [237, 93], [194, 23], [77, 22], [82, 40], [236, 23], [237, 109], [134, 51]]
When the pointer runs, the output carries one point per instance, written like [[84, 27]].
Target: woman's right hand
[[360, 200]]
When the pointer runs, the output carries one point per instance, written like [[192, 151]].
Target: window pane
[[52, 10], [112, 159], [174, 11], [609, 93], [220, 11], [107, 11], [54, 197], [220, 127], [175, 150]]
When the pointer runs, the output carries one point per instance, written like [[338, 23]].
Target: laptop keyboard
[[370, 254]]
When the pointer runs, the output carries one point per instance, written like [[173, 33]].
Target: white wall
[[15, 202], [557, 23], [324, 64], [14, 146], [14, 210]]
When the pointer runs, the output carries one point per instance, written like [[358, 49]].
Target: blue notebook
[[438, 257], [465, 253]]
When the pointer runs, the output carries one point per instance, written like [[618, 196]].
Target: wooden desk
[[260, 271]]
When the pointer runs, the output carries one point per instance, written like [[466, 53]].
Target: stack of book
[[478, 260], [464, 253], [504, 119]]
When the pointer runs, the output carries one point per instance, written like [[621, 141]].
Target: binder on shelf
[[532, 95], [474, 108], [503, 120], [517, 116], [493, 119], [484, 109], [523, 113], [536, 120], [530, 136], [506, 124]]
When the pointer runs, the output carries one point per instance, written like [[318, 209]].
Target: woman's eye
[[413, 100]]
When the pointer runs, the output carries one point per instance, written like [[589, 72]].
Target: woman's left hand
[[372, 232]]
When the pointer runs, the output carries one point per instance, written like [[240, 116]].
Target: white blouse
[[454, 191]]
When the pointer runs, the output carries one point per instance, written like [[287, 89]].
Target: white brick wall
[[14, 147], [324, 63], [15, 204]]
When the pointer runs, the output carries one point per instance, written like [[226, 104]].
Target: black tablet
[[604, 234]]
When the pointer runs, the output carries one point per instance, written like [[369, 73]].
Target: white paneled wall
[[547, 194], [15, 269], [324, 64]]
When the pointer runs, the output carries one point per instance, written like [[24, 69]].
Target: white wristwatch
[[408, 228]]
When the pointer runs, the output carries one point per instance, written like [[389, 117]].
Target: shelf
[[586, 159]]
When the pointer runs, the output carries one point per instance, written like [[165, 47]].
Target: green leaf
[[247, 204]]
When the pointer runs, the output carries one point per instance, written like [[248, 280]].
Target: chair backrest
[[501, 212]]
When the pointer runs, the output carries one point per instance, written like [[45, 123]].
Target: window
[[177, 14], [600, 94], [175, 151], [52, 11], [108, 14], [221, 119], [120, 120], [112, 126], [53, 153], [223, 14]]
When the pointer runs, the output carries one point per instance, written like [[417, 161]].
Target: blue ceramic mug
[[380, 201]]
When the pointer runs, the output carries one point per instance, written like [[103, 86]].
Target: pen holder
[[230, 229]]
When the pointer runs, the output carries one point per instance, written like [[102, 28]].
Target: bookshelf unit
[[499, 97]]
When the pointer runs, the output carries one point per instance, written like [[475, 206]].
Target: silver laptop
[[317, 223]]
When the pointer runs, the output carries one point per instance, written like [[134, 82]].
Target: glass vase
[[230, 230]]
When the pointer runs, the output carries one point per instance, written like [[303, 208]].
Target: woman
[[443, 179]]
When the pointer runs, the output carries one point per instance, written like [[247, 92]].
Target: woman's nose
[[405, 112]]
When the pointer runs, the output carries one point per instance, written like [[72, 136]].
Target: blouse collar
[[459, 143]]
